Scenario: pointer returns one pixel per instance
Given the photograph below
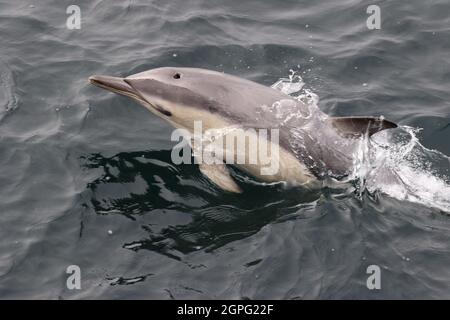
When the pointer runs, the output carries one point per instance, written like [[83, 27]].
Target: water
[[392, 162], [86, 176]]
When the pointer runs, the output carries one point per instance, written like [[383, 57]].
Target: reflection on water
[[140, 183], [272, 236]]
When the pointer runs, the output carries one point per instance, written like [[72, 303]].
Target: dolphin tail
[[357, 126]]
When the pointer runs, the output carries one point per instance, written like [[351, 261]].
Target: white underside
[[290, 170]]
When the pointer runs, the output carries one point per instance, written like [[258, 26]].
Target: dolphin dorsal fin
[[356, 126]]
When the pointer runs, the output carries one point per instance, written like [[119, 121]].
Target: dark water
[[86, 177]]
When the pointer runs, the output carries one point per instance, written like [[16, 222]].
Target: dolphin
[[311, 144]]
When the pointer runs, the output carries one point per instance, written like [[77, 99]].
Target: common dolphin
[[311, 144]]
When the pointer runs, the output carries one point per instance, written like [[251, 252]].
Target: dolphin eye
[[177, 76]]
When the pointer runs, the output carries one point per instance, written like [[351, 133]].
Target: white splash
[[392, 161], [399, 166], [294, 83], [286, 110]]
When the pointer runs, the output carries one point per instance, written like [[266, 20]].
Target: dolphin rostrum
[[311, 144]]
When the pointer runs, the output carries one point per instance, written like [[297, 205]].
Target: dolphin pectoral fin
[[220, 176], [357, 126]]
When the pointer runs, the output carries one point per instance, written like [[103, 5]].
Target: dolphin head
[[178, 95]]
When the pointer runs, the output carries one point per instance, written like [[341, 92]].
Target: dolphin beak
[[125, 87], [116, 85]]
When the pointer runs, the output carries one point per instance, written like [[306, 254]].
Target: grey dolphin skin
[[312, 145]]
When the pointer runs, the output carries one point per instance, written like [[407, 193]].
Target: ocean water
[[86, 176]]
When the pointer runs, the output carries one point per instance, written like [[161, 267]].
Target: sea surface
[[86, 176]]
